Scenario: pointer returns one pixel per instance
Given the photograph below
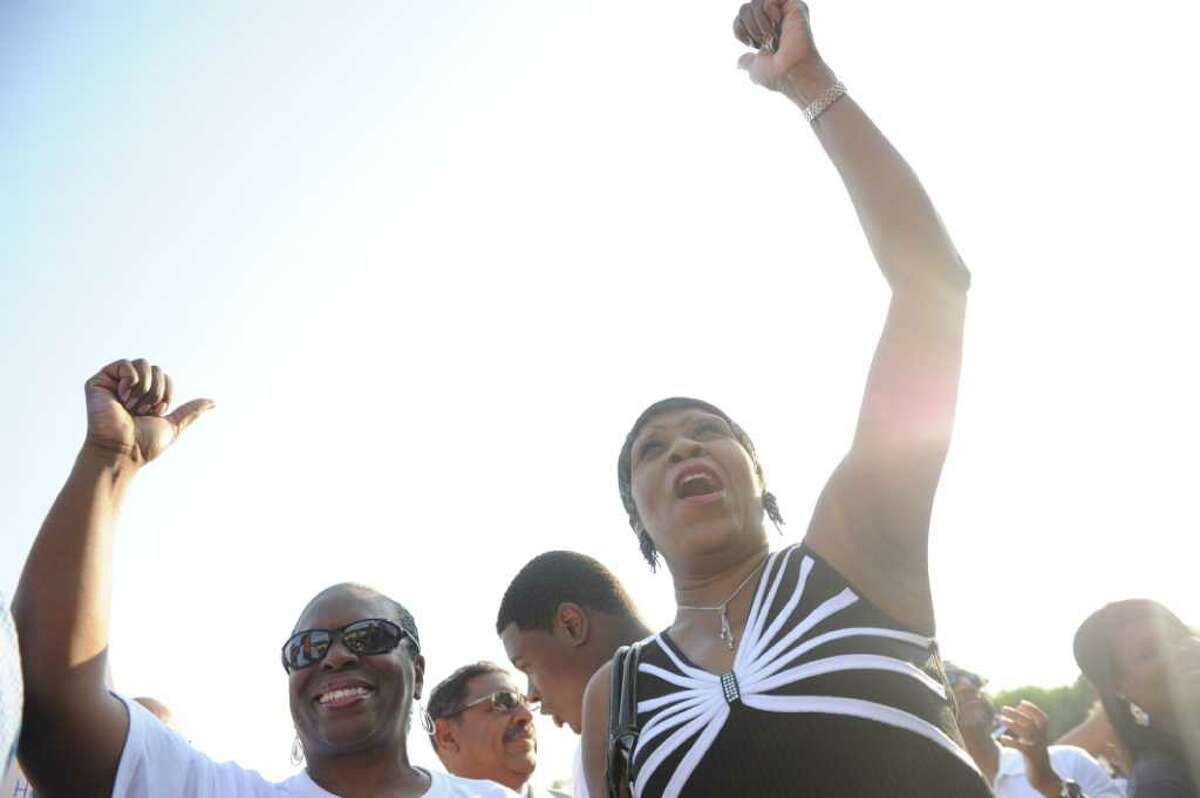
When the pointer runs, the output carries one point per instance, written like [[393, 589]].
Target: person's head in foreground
[[561, 618], [1145, 664], [354, 670], [482, 726], [716, 503]]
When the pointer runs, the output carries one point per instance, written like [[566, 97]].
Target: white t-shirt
[[157, 762], [11, 688], [1070, 763], [579, 787]]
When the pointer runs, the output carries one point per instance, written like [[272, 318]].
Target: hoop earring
[[297, 751], [1140, 716]]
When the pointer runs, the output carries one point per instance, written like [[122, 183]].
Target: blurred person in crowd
[[1025, 766], [159, 710], [353, 659], [1145, 665], [1096, 735], [561, 618], [15, 785], [11, 700], [483, 728], [811, 670]]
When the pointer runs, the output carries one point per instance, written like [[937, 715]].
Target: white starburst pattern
[[694, 714]]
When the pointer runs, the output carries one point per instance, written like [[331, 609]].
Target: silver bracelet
[[824, 100]]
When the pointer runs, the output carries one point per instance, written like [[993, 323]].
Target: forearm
[[62, 604], [902, 227], [1051, 788]]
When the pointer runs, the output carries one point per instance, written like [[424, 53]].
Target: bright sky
[[432, 259]]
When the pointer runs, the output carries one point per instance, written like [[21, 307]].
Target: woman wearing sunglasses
[[811, 670], [353, 660]]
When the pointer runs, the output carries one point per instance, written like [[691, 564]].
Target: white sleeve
[[11, 688], [1078, 765], [157, 762], [579, 780], [443, 785]]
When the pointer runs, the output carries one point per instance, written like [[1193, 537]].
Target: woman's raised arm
[[872, 521], [74, 729]]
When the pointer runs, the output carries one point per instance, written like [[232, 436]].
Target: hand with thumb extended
[[127, 404]]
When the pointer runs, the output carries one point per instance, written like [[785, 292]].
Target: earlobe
[[444, 734]]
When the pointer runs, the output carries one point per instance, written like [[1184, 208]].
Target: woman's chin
[[718, 533]]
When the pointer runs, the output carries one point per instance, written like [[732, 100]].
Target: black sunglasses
[[365, 637]]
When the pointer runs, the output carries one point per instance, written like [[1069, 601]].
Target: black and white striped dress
[[827, 696]]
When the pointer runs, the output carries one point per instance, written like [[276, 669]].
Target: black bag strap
[[622, 720]]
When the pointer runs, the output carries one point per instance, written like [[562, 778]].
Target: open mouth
[[698, 483], [342, 697]]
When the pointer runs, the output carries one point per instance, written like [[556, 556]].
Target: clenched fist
[[127, 404], [787, 59]]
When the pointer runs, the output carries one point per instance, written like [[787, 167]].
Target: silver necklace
[[723, 607]]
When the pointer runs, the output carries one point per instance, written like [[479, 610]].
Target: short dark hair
[[553, 578], [447, 698], [625, 464]]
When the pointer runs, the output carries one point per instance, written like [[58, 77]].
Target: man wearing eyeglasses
[[483, 728], [1011, 750]]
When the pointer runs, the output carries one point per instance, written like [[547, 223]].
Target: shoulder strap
[[622, 720]]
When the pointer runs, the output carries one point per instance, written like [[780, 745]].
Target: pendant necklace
[[723, 607]]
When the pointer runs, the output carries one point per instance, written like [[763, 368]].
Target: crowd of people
[[810, 669]]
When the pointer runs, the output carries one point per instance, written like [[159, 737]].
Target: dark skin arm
[[74, 729], [595, 731], [1027, 733], [872, 520]]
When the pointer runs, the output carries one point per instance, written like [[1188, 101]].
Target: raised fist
[[127, 404], [780, 31]]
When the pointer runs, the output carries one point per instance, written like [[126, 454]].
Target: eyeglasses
[[366, 637], [503, 701]]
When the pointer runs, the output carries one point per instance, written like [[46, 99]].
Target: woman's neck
[[712, 608], [712, 584], [364, 774]]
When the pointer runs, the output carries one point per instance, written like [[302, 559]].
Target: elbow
[[958, 274], [953, 275], [945, 278]]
